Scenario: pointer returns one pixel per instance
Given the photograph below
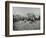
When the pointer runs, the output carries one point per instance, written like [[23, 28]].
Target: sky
[[24, 10]]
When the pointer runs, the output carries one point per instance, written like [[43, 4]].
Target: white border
[[25, 31]]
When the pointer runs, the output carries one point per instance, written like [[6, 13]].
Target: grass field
[[28, 25]]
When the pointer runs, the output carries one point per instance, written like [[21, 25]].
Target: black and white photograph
[[24, 18]]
